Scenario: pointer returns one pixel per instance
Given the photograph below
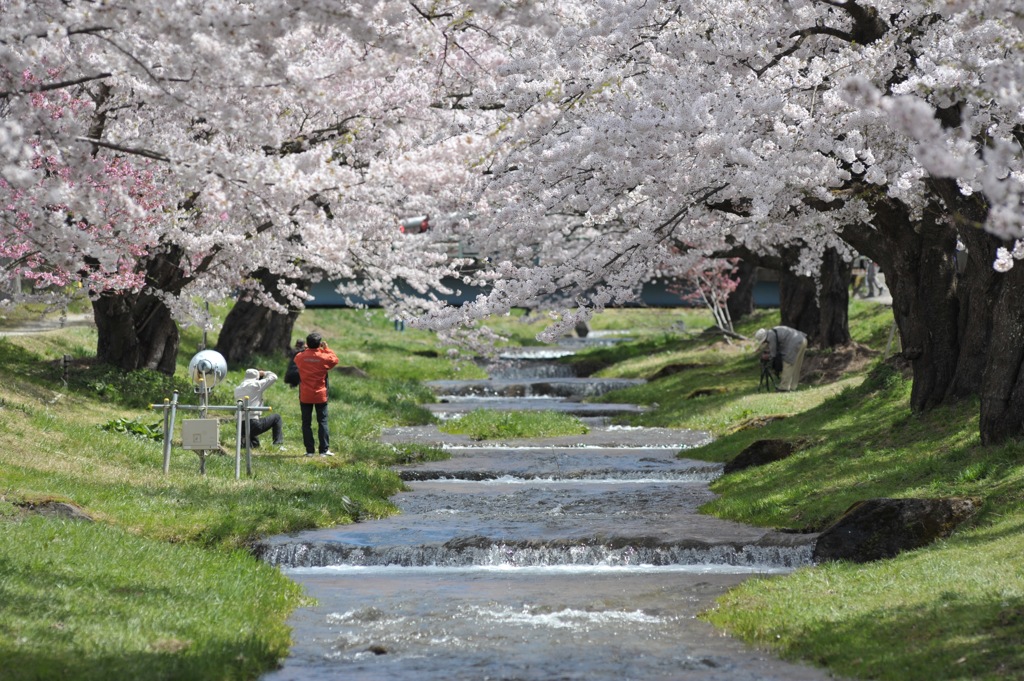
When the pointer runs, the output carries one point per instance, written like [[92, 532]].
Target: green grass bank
[[161, 586]]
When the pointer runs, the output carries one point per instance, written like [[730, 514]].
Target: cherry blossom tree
[[289, 140], [704, 281]]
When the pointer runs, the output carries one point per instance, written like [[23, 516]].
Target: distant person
[[291, 374], [960, 257], [313, 364], [872, 279], [860, 267], [788, 343], [253, 386]]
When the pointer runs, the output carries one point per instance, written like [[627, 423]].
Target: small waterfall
[[511, 369], [700, 474], [484, 553], [567, 388]]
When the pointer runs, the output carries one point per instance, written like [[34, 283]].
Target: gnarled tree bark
[[253, 329]]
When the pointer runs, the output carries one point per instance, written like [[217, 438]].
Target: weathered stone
[[57, 509], [706, 392], [882, 528], [670, 369], [760, 453]]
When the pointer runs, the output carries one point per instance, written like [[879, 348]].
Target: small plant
[[134, 428], [974, 472]]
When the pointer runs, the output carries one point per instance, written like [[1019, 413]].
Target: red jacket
[[313, 366]]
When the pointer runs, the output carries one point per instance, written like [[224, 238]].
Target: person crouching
[[253, 386]]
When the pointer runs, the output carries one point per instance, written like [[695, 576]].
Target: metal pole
[[204, 396], [888, 344], [242, 413], [170, 431], [167, 435], [248, 439], [238, 437]]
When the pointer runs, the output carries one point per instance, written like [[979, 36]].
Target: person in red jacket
[[314, 363]]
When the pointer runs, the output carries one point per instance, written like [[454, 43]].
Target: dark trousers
[[323, 433], [262, 425]]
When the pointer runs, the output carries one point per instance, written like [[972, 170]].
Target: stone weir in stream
[[617, 496], [531, 379], [565, 387]]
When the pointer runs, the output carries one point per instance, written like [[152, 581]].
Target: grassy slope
[[952, 611]]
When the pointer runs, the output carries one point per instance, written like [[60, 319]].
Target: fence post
[[169, 414]]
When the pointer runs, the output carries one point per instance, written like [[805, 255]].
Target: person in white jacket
[[253, 386], [791, 345]]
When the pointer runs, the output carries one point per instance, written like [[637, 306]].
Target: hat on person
[[761, 336], [252, 373]]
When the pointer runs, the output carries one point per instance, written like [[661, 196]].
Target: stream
[[566, 558]]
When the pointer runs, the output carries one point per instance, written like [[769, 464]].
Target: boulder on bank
[[53, 508], [670, 369], [760, 453], [882, 528]]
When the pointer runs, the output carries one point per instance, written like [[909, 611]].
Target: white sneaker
[[310, 454], [327, 453], [282, 449]]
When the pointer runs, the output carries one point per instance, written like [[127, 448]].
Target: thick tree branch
[[60, 85], [145, 153]]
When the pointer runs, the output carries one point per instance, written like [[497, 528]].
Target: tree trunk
[[798, 303], [741, 301], [252, 329], [818, 307], [976, 290], [135, 330], [1002, 395], [917, 258], [834, 300], [976, 286], [822, 314]]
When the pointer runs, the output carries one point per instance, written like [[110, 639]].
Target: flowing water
[[565, 558]]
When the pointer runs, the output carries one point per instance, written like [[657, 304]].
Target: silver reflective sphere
[[207, 369]]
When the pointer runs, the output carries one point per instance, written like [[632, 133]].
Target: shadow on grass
[[945, 638]]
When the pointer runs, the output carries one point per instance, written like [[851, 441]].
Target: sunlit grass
[[952, 611], [157, 587], [91, 601]]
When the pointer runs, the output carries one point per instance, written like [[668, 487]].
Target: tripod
[[769, 378]]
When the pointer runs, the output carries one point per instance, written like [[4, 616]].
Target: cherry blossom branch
[[60, 85]]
